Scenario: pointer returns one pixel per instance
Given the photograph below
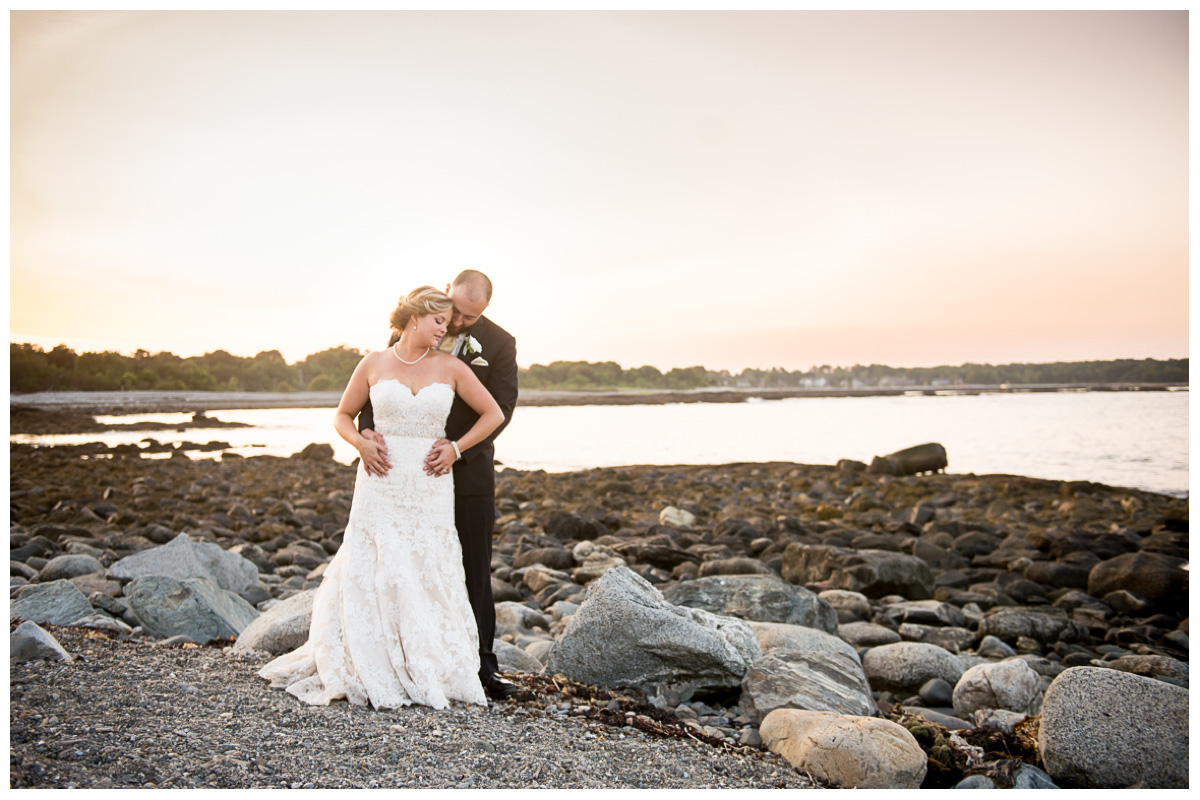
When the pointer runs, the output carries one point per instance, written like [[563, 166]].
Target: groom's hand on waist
[[374, 454]]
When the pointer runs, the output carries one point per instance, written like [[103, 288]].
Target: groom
[[491, 353]]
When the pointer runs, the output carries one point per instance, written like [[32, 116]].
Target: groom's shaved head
[[476, 283]]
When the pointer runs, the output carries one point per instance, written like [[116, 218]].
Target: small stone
[[936, 692], [31, 642]]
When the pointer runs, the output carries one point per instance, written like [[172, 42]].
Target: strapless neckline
[[411, 393]]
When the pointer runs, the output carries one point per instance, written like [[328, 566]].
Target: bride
[[391, 622]]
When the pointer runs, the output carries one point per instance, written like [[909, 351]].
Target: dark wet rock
[[568, 526], [936, 692], [159, 534], [626, 634], [1059, 542], [316, 452], [1126, 602], [502, 591], [976, 543], [1045, 626], [910, 461], [37, 546], [764, 599], [938, 558], [874, 573], [1142, 724], [54, 603], [1074, 599], [877, 541], [813, 681], [31, 642], [184, 558], [194, 608], [906, 666], [553, 557], [1052, 573], [1161, 580]]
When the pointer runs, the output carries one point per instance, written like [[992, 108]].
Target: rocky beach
[[741, 625]]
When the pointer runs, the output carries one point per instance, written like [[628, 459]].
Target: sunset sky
[[730, 189]]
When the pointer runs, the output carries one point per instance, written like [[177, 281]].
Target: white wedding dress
[[391, 621]]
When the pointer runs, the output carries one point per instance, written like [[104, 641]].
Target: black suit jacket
[[475, 474]]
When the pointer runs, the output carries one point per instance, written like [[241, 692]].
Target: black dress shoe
[[497, 688]]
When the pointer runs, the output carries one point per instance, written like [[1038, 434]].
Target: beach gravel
[[131, 714]]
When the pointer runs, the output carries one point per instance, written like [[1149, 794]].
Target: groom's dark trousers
[[475, 475]]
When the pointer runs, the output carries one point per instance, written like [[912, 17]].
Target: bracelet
[[457, 452]]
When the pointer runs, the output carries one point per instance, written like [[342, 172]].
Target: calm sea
[[1136, 439]]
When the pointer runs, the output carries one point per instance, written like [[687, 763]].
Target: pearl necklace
[[410, 363]]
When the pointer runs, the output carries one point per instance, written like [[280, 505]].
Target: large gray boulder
[[194, 608], [626, 634], [905, 666], [183, 557], [1102, 728], [814, 681], [780, 636], [874, 573], [31, 642], [754, 597], [280, 629], [54, 603]]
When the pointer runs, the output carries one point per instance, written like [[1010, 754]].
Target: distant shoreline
[[119, 403]]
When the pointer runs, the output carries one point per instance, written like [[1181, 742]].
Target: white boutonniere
[[472, 347]]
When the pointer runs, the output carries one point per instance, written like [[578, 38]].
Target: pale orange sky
[[731, 189]]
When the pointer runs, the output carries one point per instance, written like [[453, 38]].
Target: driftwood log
[[911, 461]]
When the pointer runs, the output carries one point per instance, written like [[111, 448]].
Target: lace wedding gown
[[391, 622]]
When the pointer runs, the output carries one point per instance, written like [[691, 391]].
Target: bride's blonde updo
[[417, 303]]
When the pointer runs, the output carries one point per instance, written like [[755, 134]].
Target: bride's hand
[[374, 454], [440, 459]]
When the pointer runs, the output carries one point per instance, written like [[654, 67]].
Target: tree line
[[33, 369]]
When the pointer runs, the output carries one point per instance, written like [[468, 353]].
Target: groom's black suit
[[475, 475]]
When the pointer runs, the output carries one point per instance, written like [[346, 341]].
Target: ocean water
[[1135, 439]]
